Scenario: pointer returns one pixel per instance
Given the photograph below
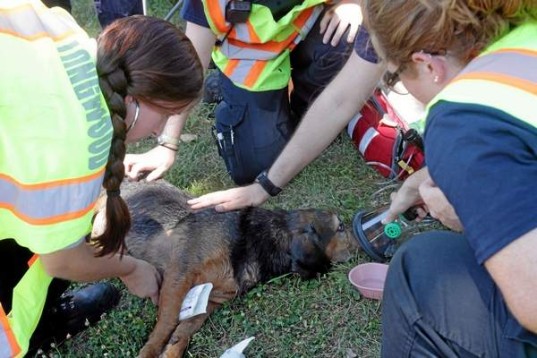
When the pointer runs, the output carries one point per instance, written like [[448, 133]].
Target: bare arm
[[328, 115], [159, 159], [514, 269], [79, 264]]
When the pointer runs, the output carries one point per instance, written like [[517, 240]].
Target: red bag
[[384, 140]]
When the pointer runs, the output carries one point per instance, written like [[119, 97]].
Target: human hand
[[231, 199], [144, 281], [155, 162], [346, 13], [438, 205]]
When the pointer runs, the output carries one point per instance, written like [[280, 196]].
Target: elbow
[[56, 264]]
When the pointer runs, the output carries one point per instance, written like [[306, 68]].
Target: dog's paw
[[172, 351]]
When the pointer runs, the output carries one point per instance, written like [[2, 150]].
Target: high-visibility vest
[[255, 55], [55, 135], [503, 77]]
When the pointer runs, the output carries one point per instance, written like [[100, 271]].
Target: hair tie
[[113, 193]]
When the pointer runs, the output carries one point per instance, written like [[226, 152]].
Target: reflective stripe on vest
[[24, 201], [8, 344], [254, 54], [55, 128], [20, 19], [504, 78], [29, 296]]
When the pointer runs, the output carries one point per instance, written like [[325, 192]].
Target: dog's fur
[[234, 251]]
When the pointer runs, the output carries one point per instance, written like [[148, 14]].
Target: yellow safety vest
[[55, 134], [255, 55], [503, 77]]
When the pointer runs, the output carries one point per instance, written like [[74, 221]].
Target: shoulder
[[485, 162]]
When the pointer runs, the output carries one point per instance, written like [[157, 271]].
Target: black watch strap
[[266, 184]]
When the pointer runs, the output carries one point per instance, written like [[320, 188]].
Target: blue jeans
[[438, 302], [253, 127]]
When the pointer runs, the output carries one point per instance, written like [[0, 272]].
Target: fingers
[[353, 30], [325, 20], [156, 174], [207, 201]]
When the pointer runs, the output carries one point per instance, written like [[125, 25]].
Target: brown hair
[[152, 60], [461, 27]]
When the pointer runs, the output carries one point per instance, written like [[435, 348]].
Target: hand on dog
[[231, 199], [152, 165], [144, 281]]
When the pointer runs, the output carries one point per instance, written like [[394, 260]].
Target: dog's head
[[319, 239]]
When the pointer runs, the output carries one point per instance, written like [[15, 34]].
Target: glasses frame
[[390, 79], [136, 115]]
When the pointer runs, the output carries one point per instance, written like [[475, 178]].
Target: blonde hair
[[461, 27]]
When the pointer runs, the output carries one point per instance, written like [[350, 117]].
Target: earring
[[435, 79]]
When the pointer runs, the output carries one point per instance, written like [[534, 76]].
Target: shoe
[[73, 312]]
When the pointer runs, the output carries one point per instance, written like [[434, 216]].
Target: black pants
[[13, 265], [253, 127], [438, 302]]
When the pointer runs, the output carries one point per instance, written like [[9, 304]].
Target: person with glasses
[[68, 106], [474, 63]]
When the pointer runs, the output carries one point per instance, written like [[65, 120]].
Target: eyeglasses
[[136, 115], [390, 79]]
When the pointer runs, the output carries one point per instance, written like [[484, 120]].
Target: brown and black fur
[[234, 251]]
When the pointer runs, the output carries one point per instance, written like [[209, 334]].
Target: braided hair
[[151, 60]]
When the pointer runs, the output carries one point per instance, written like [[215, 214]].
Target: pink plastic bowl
[[369, 279]]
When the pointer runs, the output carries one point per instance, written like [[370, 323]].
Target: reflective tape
[[49, 203]]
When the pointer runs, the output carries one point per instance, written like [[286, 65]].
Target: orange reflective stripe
[[254, 73], [32, 259], [521, 51], [217, 15], [253, 35], [7, 338], [520, 83], [53, 183], [230, 67], [19, 11], [52, 219], [28, 201], [301, 19]]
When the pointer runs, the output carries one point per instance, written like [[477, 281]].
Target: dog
[[234, 251]]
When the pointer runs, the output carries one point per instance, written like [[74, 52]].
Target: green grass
[[289, 317]]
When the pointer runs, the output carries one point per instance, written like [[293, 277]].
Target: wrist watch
[[266, 184], [164, 139]]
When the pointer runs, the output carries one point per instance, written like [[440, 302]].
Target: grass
[[289, 317]]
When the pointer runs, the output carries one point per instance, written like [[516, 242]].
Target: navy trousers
[[253, 127], [438, 302]]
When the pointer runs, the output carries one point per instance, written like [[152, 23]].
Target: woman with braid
[[475, 65], [67, 109]]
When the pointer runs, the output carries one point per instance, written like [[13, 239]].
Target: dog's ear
[[307, 257]]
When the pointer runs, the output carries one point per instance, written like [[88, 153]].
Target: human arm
[[438, 206], [328, 115], [157, 161], [514, 269], [340, 16], [79, 263]]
